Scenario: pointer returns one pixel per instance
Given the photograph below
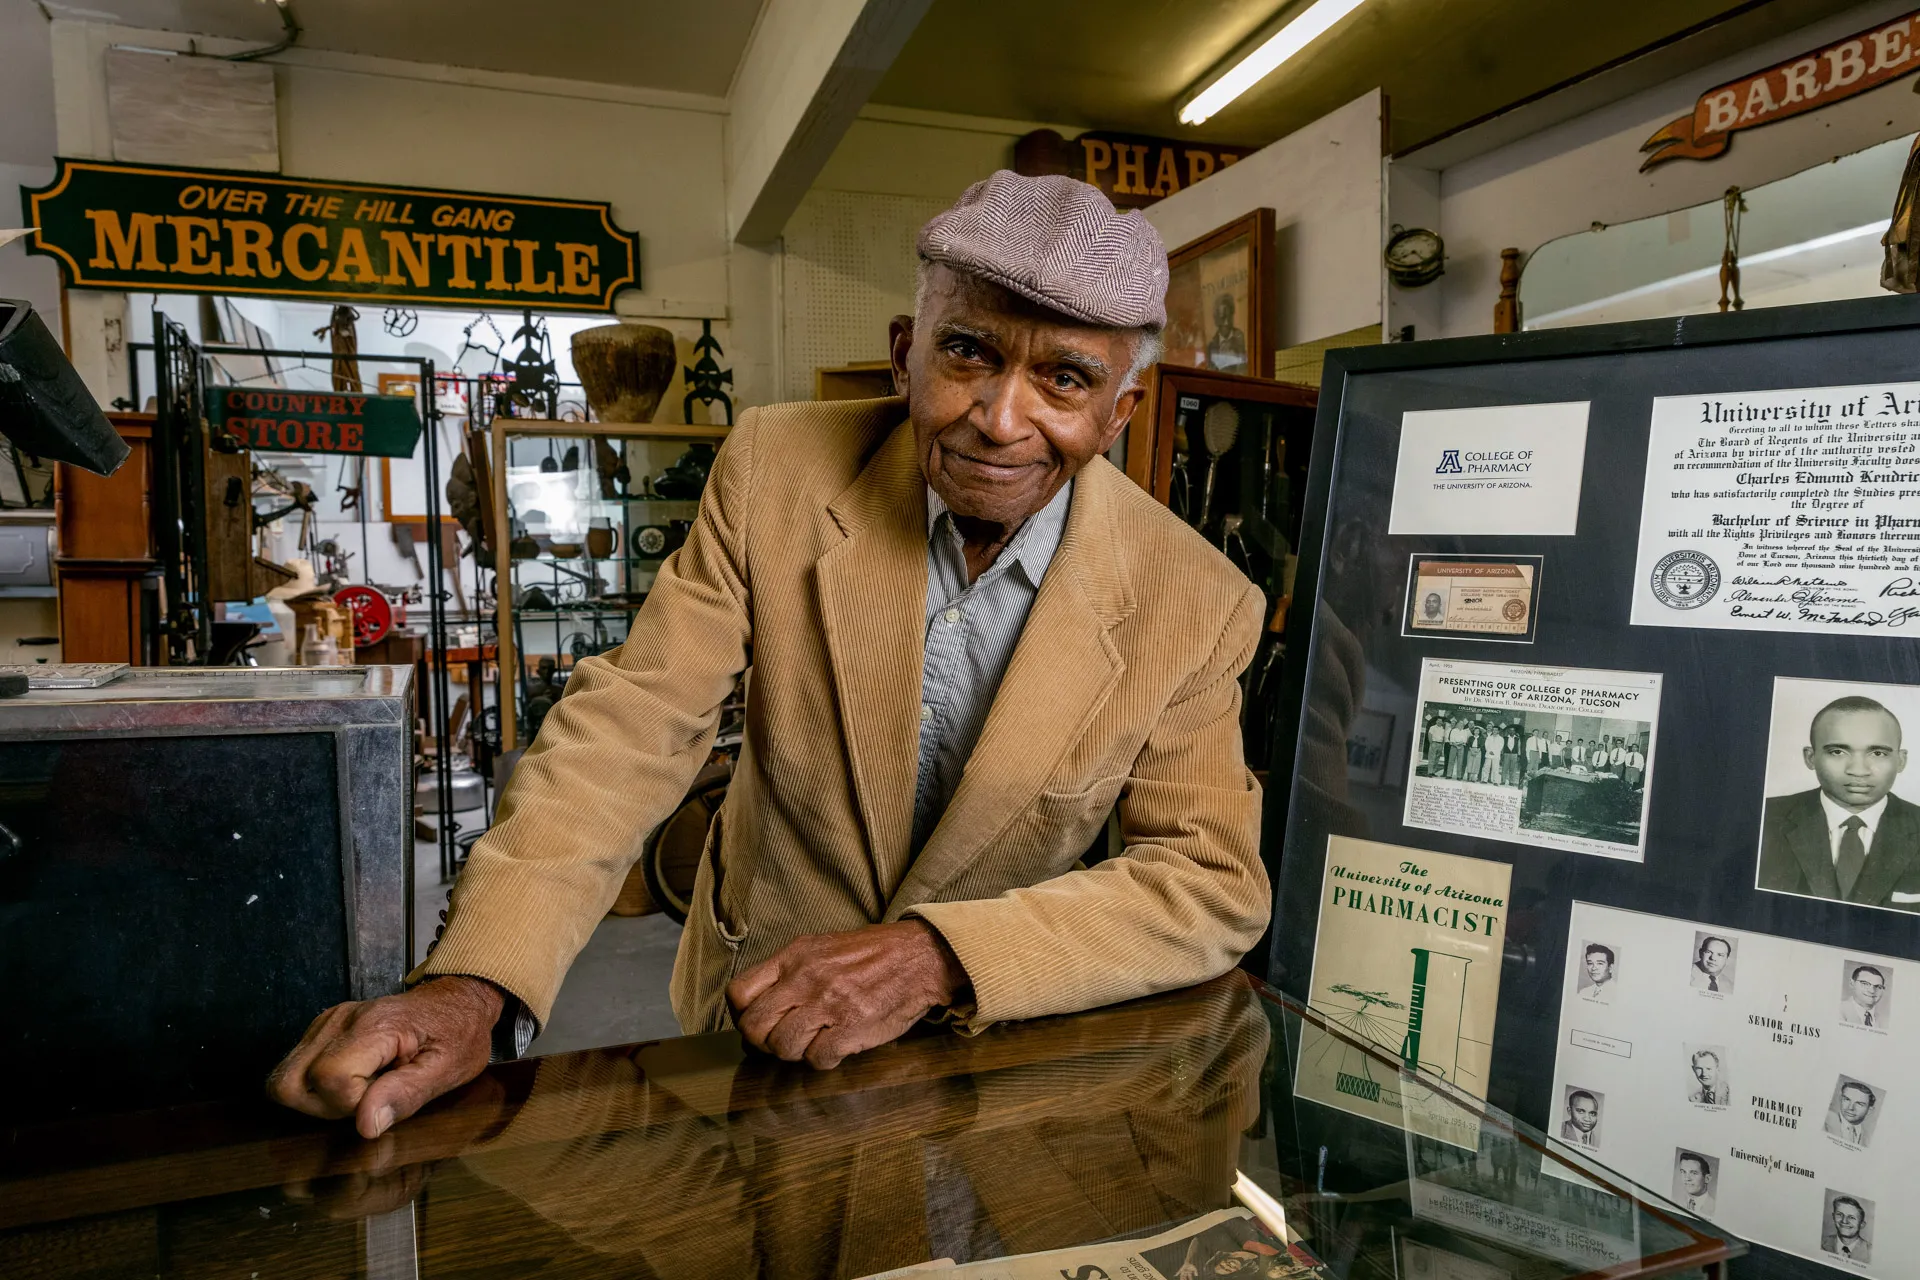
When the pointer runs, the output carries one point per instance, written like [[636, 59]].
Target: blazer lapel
[[873, 589], [1894, 846], [1807, 837], [1062, 671]]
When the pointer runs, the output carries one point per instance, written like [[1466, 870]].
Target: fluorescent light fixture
[[1258, 65]]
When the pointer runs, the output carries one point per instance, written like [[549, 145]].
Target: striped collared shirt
[[970, 637]]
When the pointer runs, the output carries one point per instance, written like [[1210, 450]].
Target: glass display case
[[587, 512], [1160, 1140], [1228, 454]]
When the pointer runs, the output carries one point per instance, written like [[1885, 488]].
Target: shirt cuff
[[514, 1031], [961, 1017]]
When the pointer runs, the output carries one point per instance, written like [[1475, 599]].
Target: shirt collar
[[1033, 544], [1870, 816]]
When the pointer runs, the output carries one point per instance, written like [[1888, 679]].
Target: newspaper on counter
[[1227, 1242], [1556, 757]]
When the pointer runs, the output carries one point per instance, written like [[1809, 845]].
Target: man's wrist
[[951, 984], [488, 998]]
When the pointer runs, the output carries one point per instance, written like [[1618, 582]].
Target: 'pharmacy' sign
[[119, 226]]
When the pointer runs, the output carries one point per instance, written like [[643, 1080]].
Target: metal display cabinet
[[193, 863]]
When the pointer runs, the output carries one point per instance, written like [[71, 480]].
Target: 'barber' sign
[[1806, 83]]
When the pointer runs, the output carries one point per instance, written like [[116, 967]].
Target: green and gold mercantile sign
[[119, 226]]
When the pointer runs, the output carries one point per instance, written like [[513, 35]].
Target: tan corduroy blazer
[[809, 561]]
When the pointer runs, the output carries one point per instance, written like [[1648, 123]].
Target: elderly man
[[970, 636]]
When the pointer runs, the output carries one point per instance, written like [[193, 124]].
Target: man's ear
[[899, 343], [1122, 414]]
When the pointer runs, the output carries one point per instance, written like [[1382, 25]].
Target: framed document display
[[1641, 605]]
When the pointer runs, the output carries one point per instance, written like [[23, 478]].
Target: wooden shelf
[[633, 430]]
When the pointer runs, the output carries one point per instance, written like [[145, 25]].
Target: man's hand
[[825, 996], [382, 1060]]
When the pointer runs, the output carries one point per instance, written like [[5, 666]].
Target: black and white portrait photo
[[1842, 814], [1853, 1111], [1846, 1228], [1599, 972], [1696, 1181], [1580, 1118], [1706, 1077], [1715, 957], [1866, 994]]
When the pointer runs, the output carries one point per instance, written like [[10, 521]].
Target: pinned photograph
[[1715, 957], [1696, 1181], [1866, 994], [1580, 1126], [1706, 1078], [1463, 597], [1558, 758], [1846, 1228], [1842, 814], [1853, 1111], [1599, 973]]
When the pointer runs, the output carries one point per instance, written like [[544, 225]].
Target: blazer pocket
[[710, 900], [1092, 802]]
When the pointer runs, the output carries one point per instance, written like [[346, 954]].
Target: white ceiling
[[657, 44]]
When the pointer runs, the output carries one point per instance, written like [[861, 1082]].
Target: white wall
[[848, 251], [656, 157], [1566, 177], [1323, 183], [26, 148]]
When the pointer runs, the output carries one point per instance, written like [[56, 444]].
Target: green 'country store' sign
[[282, 421], [117, 226]]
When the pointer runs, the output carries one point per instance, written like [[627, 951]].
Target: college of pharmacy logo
[[1449, 463], [1685, 580]]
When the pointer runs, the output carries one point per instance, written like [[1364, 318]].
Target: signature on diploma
[[1785, 580], [1799, 595], [1825, 601], [1892, 618]]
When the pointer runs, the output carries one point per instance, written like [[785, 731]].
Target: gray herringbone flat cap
[[1057, 242]]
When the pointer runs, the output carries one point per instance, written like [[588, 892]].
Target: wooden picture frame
[[1220, 299], [408, 384]]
